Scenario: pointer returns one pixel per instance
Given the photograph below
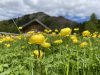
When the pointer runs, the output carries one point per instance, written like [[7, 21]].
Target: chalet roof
[[35, 20]]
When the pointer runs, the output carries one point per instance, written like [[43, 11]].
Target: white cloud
[[79, 8]]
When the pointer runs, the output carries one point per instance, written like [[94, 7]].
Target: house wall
[[33, 26]]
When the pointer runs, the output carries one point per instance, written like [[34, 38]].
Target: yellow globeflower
[[83, 44], [7, 38], [20, 27], [23, 47], [73, 37], [86, 33], [65, 32], [76, 29], [47, 30], [1, 41], [75, 41], [98, 35], [50, 31], [58, 41], [30, 32], [19, 37], [53, 34], [7, 45], [94, 35], [38, 53], [37, 39], [56, 30], [46, 45]]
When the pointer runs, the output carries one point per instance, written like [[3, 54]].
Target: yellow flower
[[83, 44], [20, 27], [53, 34], [1, 41], [30, 32], [56, 30], [58, 41], [86, 33], [47, 30], [38, 53], [98, 35], [7, 39], [94, 35], [46, 45], [37, 39], [76, 29], [65, 32], [75, 41], [50, 31], [7, 45], [73, 37], [22, 46], [19, 37]]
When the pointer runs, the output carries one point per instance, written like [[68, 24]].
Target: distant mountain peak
[[50, 21]]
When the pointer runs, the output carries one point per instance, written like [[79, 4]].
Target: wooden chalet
[[34, 25]]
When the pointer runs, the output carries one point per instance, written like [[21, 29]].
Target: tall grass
[[62, 59]]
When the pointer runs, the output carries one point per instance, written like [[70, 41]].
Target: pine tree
[[92, 24]]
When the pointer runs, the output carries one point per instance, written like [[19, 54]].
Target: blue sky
[[77, 10]]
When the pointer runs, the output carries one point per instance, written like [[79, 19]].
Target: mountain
[[51, 21]]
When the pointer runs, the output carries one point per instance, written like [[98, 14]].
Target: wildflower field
[[50, 53]]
